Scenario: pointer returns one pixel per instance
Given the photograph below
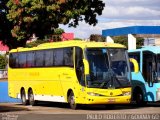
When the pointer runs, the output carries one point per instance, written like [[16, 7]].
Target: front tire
[[139, 99], [71, 100]]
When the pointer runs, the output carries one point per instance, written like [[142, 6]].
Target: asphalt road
[[59, 111]]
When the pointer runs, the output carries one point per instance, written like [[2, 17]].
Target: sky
[[120, 13]]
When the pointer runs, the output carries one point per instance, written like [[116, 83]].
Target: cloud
[[84, 30], [139, 13], [121, 13], [129, 9], [145, 3]]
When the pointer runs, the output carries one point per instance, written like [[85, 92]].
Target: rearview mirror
[[135, 64], [86, 67]]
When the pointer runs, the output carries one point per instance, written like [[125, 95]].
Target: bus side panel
[[43, 81], [69, 82], [14, 83]]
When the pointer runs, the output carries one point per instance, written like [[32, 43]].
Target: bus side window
[[22, 60], [79, 66], [58, 57], [13, 60], [68, 57], [49, 58], [39, 58], [30, 59]]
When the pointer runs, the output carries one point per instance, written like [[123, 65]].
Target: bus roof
[[154, 49], [70, 43]]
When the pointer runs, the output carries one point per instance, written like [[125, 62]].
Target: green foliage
[[55, 38], [58, 31], [3, 61], [6, 25], [124, 40], [97, 38], [140, 41], [25, 17], [121, 40], [77, 39], [36, 43]]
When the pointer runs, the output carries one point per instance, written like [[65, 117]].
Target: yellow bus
[[74, 72]]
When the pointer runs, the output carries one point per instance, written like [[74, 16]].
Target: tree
[[77, 39], [3, 62], [36, 43], [124, 40], [43, 16], [97, 38], [121, 40], [5, 24], [48, 38], [58, 31], [140, 41]]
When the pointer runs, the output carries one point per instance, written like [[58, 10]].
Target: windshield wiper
[[104, 84], [111, 76]]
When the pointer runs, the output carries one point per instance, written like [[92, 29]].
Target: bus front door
[[149, 75]]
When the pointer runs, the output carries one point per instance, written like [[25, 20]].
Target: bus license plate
[[111, 100]]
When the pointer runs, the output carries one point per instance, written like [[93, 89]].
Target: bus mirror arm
[[135, 63], [86, 66]]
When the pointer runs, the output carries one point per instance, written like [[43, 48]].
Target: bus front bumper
[[108, 100]]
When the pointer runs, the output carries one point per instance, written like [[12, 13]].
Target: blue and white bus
[[146, 82]]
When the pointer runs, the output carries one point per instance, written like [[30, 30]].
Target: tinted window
[[39, 58], [135, 55], [148, 60], [58, 54], [30, 59], [79, 56], [12, 60], [22, 60], [49, 58], [68, 57], [42, 58]]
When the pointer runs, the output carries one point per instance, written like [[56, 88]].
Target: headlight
[[126, 93], [93, 94]]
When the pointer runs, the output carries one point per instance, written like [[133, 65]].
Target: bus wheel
[[23, 97], [71, 100], [139, 99], [31, 97]]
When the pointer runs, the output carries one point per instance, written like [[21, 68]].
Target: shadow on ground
[[7, 108], [20, 107], [98, 107]]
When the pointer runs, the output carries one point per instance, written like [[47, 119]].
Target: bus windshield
[[108, 68]]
